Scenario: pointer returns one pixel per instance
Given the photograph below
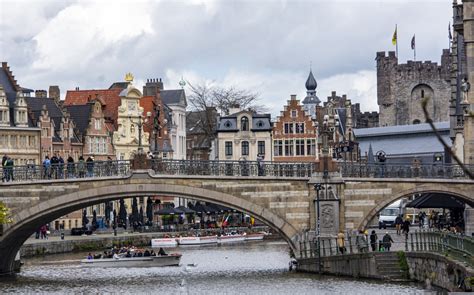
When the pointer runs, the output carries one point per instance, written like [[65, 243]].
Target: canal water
[[245, 268]]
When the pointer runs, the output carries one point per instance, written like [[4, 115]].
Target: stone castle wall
[[402, 87]]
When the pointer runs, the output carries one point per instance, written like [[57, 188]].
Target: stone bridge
[[286, 204]]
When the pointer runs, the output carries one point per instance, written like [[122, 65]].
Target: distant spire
[[370, 156], [311, 83]]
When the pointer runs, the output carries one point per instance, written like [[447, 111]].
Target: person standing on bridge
[[398, 224], [387, 241], [90, 166], [373, 241], [341, 242], [4, 164]]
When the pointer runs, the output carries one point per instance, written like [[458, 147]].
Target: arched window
[[244, 124], [245, 148]]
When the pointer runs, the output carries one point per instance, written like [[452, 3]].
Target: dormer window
[[244, 124]]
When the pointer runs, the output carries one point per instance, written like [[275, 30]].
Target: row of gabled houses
[[103, 123]]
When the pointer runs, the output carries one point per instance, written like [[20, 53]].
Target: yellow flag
[[394, 37]]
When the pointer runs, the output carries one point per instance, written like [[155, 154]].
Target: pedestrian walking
[[90, 166], [81, 167], [46, 168], [9, 167], [406, 227], [341, 242], [70, 167], [4, 163], [387, 241], [398, 224], [373, 241]]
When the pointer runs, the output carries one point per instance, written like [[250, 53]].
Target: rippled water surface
[[246, 268]]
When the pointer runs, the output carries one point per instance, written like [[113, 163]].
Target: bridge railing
[[232, 168], [96, 169], [393, 170], [456, 246]]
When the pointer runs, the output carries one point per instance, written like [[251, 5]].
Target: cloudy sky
[[261, 45]]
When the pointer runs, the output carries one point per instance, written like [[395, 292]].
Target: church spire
[[311, 83]]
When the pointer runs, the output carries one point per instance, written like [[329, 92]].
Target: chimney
[[54, 93], [41, 93], [293, 97]]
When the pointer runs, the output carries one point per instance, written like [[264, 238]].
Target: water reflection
[[247, 268]]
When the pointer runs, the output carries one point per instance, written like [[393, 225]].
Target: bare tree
[[222, 98]]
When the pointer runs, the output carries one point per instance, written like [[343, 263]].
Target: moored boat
[[204, 240], [254, 237], [164, 242], [231, 238], [150, 261]]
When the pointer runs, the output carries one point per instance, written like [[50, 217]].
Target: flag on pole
[[413, 42], [394, 37], [449, 31]]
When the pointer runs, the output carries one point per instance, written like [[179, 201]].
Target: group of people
[[42, 232], [7, 168], [127, 252], [54, 167], [402, 226], [361, 242]]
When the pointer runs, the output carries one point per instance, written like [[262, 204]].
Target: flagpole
[[396, 41], [414, 50]]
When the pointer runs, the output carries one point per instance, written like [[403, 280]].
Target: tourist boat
[[232, 238], [204, 240], [254, 237], [164, 242], [150, 261]]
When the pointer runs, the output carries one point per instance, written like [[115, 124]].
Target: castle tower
[[311, 101], [402, 87]]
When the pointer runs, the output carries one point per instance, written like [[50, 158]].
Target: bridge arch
[[27, 220], [457, 193]]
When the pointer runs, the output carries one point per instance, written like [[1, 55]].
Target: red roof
[[109, 97]]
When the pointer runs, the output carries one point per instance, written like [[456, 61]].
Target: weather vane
[[182, 83]]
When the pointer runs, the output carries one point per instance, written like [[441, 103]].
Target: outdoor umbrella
[[135, 217], [168, 211], [185, 210], [107, 211], [85, 221], [149, 210], [94, 220], [122, 214], [140, 215]]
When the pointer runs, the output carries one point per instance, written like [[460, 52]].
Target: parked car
[[79, 231]]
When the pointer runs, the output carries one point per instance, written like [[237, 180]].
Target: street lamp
[[318, 188], [141, 121]]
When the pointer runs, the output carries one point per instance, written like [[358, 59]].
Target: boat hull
[[197, 240], [151, 261], [164, 242], [254, 237], [231, 239]]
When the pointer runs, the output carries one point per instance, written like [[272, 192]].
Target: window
[[278, 148], [288, 128], [289, 147], [299, 147], [245, 148], [294, 113], [311, 147], [97, 124], [227, 124], [260, 123], [422, 93], [299, 128], [228, 148], [261, 147], [244, 124]]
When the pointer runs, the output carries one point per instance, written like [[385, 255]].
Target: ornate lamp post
[[318, 188], [141, 121]]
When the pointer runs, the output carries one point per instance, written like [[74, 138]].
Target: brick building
[[294, 135], [402, 87]]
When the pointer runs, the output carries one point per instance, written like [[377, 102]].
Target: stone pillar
[[469, 220], [468, 22], [329, 210]]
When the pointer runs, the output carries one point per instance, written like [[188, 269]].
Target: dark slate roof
[[400, 129], [175, 96], [80, 114], [341, 112], [119, 85], [260, 122], [8, 87], [35, 104]]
